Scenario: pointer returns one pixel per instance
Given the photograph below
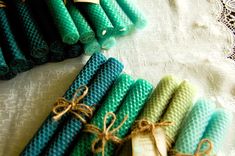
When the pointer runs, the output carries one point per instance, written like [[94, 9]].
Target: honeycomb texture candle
[[133, 13], [44, 20], [107, 43], [41, 139], [92, 47], [217, 129], [37, 45], [74, 50], [97, 18], [63, 21], [103, 80], [131, 107], [194, 126], [122, 24], [3, 66], [84, 29], [159, 100], [10, 48], [177, 109], [111, 103]]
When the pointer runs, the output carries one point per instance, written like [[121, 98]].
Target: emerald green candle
[[10, 48], [177, 110], [97, 18], [107, 43], [133, 13], [160, 99], [111, 103], [84, 29], [131, 107], [36, 44], [63, 21], [122, 24], [92, 47], [3, 66]]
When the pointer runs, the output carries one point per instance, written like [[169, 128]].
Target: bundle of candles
[[34, 32], [102, 109]]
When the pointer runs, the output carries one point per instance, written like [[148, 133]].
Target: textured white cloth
[[183, 38]]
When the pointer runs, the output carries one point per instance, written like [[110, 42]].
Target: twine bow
[[146, 127], [2, 4], [63, 106], [200, 152], [105, 135]]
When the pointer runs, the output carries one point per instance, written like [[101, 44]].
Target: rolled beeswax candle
[[74, 50], [103, 80], [84, 29], [3, 66], [133, 13], [36, 44], [92, 47], [159, 100], [107, 43], [44, 20], [63, 21], [97, 18], [217, 129], [41, 139], [122, 24], [10, 48], [111, 103], [194, 126], [131, 107], [143, 144], [177, 109]]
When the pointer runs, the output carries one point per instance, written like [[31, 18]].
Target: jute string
[[146, 127], [2, 4], [199, 152], [105, 135], [80, 110]]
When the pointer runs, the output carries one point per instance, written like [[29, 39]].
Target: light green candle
[[177, 110], [160, 99]]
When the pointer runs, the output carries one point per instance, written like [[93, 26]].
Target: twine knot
[[2, 4], [147, 127], [105, 135], [200, 150], [63, 106]]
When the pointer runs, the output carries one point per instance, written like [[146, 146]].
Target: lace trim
[[227, 17]]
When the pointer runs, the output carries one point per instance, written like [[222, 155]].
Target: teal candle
[[217, 129], [194, 126]]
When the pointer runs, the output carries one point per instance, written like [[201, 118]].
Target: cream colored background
[[183, 38]]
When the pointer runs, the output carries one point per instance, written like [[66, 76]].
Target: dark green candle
[[74, 50], [11, 51], [44, 19], [3, 66], [37, 46]]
